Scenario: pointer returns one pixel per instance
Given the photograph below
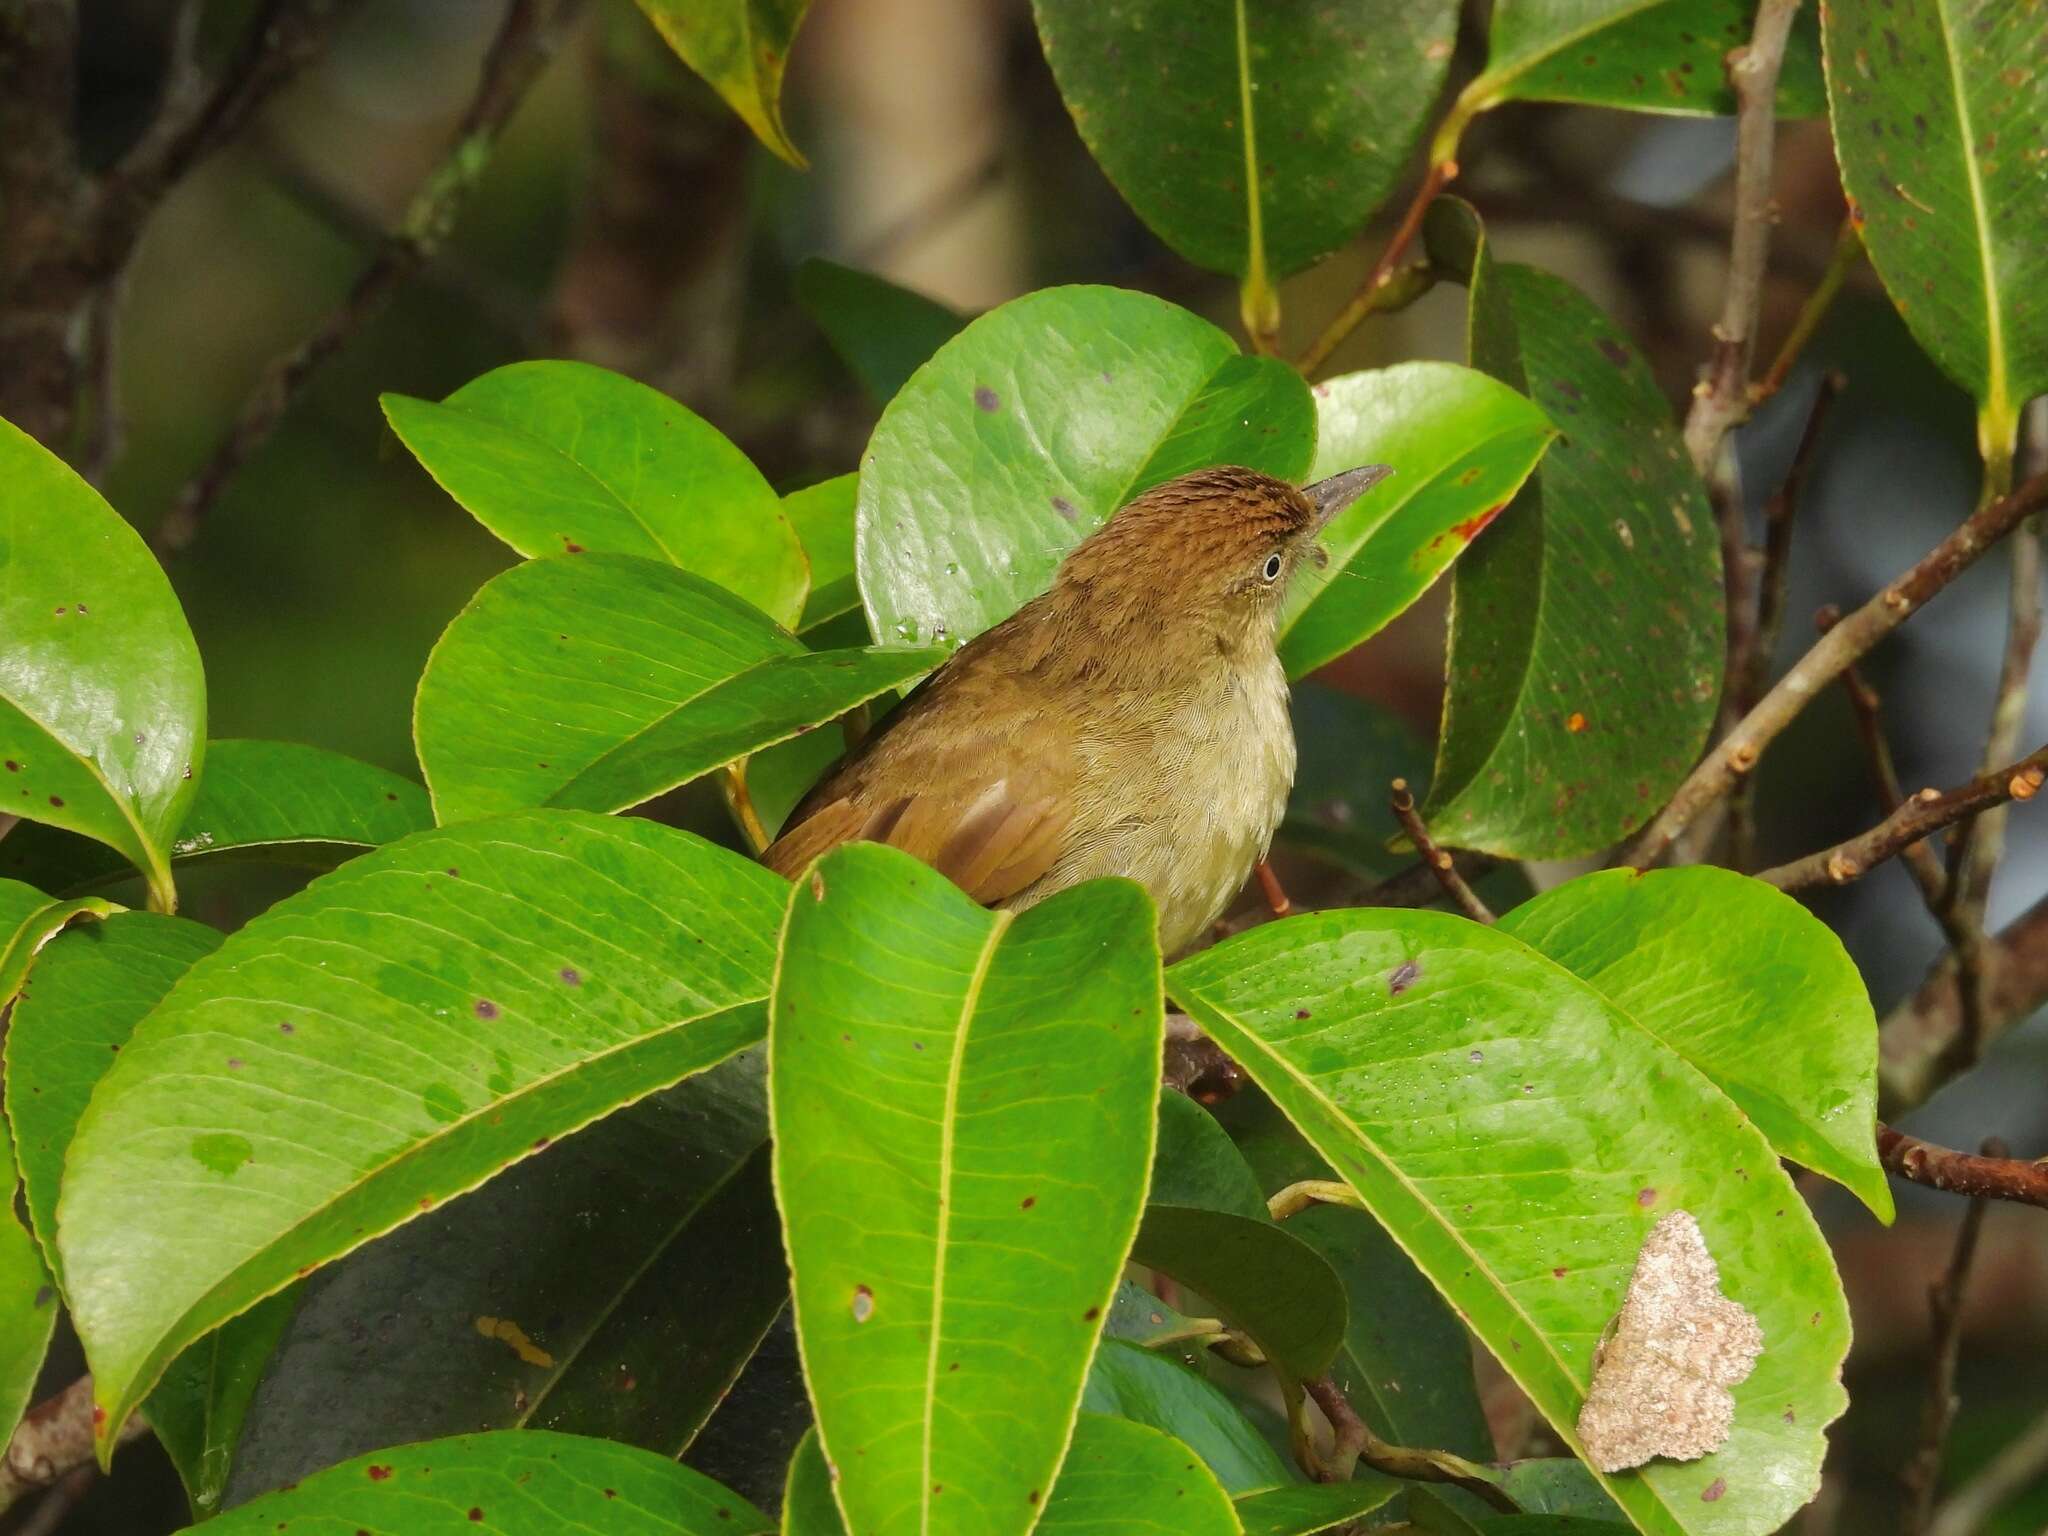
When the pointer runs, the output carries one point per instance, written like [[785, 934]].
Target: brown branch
[[1738, 752], [1355, 1442], [1920, 816], [523, 45], [1945, 1307], [54, 1439], [41, 190], [1421, 884], [1847, 252], [1914, 1057], [1990, 1175], [1439, 863], [2016, 1467], [1381, 290]]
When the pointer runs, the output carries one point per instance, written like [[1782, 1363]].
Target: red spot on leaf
[[379, 1474]]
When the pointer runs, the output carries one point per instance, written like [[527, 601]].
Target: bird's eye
[[1270, 571]]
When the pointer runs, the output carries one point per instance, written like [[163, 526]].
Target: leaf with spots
[[1638, 55], [1586, 627], [1518, 1133], [596, 682], [385, 1040], [507, 1483], [740, 48], [102, 699], [1166, 1390], [1253, 139], [279, 801], [559, 457], [1461, 445], [1027, 430], [1941, 126], [463, 1320], [1744, 983], [962, 1105], [882, 331]]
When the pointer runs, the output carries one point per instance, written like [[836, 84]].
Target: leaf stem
[[1439, 863], [1847, 252], [1380, 289], [1299, 1196], [739, 800]]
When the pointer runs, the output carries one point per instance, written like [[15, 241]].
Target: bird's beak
[[1331, 496]]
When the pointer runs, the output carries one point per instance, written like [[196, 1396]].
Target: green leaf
[[28, 1302], [1312, 1507], [1406, 1360], [1265, 1281], [260, 799], [596, 682], [385, 1040], [882, 331], [740, 48], [557, 457], [1518, 1134], [1639, 55], [28, 921], [1125, 1479], [962, 1111], [1221, 123], [200, 1407], [1586, 629], [1558, 1485], [1461, 445], [1940, 108], [102, 700], [808, 1508], [1028, 429], [1549, 1525], [1198, 1165], [822, 515], [1744, 983], [462, 1319], [1147, 1388], [92, 986], [510, 1483], [1138, 1316]]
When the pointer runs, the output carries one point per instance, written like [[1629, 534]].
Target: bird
[[1130, 720]]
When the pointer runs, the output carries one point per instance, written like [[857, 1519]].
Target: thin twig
[[1439, 863], [1920, 816], [1355, 1442], [1989, 1175], [1420, 884], [2017, 1467], [1914, 1059], [1738, 752], [1277, 900], [1847, 252], [1867, 706], [1380, 289], [53, 1439], [523, 45], [1945, 1306]]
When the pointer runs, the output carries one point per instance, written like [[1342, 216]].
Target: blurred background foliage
[[627, 217]]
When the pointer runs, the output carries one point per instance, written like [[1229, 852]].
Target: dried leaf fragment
[[1661, 1378]]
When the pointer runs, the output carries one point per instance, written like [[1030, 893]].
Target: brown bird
[[1132, 720]]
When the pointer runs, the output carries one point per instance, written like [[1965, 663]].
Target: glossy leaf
[[740, 47], [1220, 122], [1639, 55], [1311, 1507], [1586, 628], [1461, 445], [822, 515], [1744, 983], [28, 921], [28, 1302], [1263, 1280], [1405, 1361], [1126, 1479], [596, 682], [102, 699], [387, 1039], [558, 457], [199, 1409], [276, 800], [1518, 1134], [1147, 1388], [1940, 110], [962, 1111], [510, 1483], [91, 987], [634, 1330], [1198, 1165], [882, 331], [1559, 1485], [1027, 430]]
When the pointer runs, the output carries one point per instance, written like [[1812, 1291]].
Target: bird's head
[[1210, 554]]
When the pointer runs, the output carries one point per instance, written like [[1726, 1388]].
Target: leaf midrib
[[1994, 403]]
